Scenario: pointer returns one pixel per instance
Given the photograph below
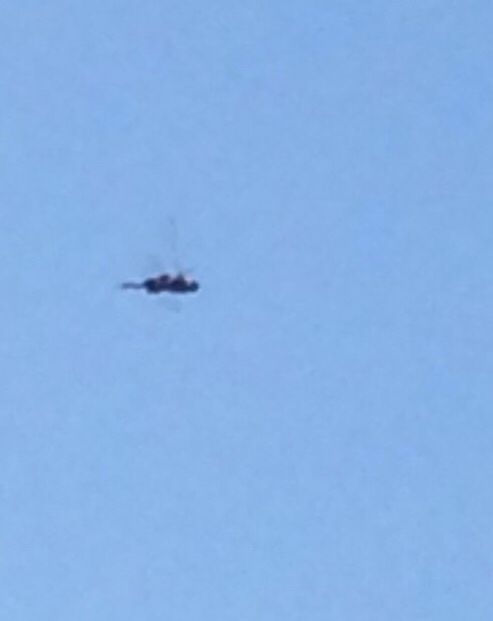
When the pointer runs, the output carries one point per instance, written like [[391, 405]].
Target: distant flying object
[[165, 283]]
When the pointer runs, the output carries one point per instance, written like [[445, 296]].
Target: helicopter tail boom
[[132, 285]]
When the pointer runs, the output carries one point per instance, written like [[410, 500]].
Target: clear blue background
[[310, 437]]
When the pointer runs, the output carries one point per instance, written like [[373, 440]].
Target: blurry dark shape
[[165, 283]]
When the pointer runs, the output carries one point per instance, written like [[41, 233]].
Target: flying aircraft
[[165, 283]]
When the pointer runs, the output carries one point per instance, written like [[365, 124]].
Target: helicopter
[[176, 281], [165, 283]]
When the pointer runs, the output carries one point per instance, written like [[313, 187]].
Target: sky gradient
[[309, 437]]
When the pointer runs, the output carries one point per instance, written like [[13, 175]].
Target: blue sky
[[310, 437]]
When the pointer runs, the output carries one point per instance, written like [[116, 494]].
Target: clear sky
[[310, 437]]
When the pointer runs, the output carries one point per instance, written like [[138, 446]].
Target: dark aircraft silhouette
[[165, 283]]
